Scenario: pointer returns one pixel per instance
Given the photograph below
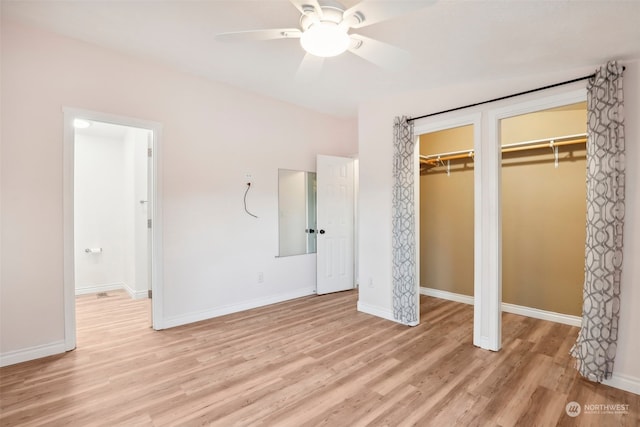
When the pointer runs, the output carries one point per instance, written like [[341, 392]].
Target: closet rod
[[548, 145], [580, 138], [547, 140]]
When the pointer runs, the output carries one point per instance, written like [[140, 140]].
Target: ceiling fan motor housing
[[330, 11], [329, 14]]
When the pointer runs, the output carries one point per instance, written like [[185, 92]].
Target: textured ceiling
[[449, 42]]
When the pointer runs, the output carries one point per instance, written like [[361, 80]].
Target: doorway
[[460, 136], [446, 223], [112, 211], [543, 212], [446, 213]]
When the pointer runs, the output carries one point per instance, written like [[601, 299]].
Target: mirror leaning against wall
[[296, 212]]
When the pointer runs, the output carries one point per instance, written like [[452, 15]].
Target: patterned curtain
[[595, 349], [404, 242]]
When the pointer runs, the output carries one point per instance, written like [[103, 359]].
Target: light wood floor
[[308, 362]]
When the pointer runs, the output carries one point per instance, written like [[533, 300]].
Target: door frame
[[155, 184], [567, 96]]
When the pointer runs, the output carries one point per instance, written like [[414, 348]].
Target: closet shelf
[[438, 159]]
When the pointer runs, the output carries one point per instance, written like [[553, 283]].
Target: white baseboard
[[624, 382], [483, 343], [31, 353], [135, 294], [376, 311], [437, 293], [551, 316], [508, 308], [94, 289], [381, 312], [184, 319]]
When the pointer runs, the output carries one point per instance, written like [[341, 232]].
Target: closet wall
[[446, 215], [543, 214]]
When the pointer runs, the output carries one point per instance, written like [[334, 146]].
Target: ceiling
[[449, 42]]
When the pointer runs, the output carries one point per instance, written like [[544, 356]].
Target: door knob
[[310, 230], [321, 231]]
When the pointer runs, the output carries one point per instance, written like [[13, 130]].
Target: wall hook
[[554, 147]]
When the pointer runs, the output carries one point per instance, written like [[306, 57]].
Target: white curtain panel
[[595, 349], [403, 229]]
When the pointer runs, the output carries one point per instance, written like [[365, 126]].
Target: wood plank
[[307, 362]]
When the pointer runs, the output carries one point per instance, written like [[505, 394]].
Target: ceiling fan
[[324, 32]]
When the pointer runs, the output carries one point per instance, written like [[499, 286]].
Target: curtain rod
[[507, 96]]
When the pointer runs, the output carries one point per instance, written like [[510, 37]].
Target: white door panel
[[335, 223]]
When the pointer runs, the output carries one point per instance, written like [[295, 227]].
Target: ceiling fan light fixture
[[81, 124], [325, 39]]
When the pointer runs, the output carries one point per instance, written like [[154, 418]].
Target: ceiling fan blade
[[370, 12], [258, 35], [381, 54], [309, 69], [300, 5]]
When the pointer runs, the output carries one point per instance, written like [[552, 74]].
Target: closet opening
[[446, 224], [543, 212]]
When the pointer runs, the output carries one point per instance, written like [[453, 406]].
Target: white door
[[335, 224]]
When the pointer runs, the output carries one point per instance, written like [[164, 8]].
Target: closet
[[543, 209], [446, 211]]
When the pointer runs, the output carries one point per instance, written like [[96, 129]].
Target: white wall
[[213, 134], [375, 154]]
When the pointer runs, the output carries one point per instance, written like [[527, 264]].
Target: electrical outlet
[[370, 282], [248, 176], [261, 277]]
